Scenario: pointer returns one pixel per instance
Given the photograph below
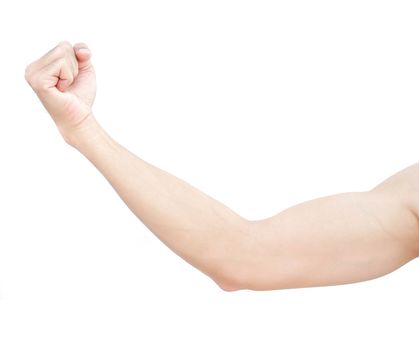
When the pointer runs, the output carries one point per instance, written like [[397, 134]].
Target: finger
[[66, 77], [48, 78], [83, 55], [73, 63], [61, 50]]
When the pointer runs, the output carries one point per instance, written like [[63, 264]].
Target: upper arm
[[337, 239]]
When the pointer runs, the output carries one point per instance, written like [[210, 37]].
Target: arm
[[338, 239]]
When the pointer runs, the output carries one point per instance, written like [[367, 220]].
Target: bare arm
[[338, 239], [195, 226]]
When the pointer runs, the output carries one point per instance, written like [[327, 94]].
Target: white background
[[260, 104]]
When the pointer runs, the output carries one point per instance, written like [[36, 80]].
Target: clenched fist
[[65, 82]]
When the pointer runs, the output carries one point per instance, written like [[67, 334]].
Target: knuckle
[[35, 82], [39, 82], [70, 79], [28, 73], [59, 51], [61, 63], [65, 44], [67, 70], [63, 48]]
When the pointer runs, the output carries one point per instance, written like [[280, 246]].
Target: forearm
[[195, 226]]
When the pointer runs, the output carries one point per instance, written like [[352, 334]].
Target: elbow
[[254, 282], [230, 268], [240, 275], [241, 264], [229, 284], [242, 278], [228, 287], [227, 275]]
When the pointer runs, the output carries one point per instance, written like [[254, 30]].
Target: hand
[[65, 82]]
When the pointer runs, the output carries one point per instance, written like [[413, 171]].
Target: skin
[[343, 238]]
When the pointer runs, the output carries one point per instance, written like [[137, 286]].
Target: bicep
[[344, 238]]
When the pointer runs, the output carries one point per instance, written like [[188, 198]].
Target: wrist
[[82, 133]]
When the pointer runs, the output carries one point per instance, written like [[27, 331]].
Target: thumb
[[83, 55]]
